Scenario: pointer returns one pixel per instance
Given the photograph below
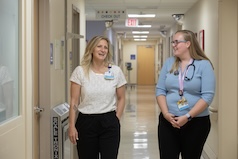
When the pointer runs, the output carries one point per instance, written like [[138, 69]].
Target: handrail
[[213, 110]]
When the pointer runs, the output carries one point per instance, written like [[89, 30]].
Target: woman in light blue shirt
[[185, 89]]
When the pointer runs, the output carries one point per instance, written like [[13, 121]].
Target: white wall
[[57, 35], [80, 5], [204, 16], [228, 79]]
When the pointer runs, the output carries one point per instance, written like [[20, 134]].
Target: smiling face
[[180, 45], [100, 51]]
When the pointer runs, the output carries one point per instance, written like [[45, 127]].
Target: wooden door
[[146, 65]]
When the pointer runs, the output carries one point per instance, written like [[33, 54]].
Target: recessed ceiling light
[[139, 39], [144, 26], [141, 15], [140, 32], [140, 36]]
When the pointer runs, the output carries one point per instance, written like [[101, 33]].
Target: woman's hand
[[172, 119], [73, 134], [181, 120]]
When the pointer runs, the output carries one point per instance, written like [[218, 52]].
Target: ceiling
[[162, 8]]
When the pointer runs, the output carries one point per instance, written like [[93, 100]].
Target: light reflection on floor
[[139, 124]]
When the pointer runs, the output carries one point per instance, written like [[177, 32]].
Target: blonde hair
[[194, 49], [88, 54]]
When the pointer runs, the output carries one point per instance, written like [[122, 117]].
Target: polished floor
[[139, 124]]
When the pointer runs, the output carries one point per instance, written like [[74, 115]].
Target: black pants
[[188, 140], [99, 135]]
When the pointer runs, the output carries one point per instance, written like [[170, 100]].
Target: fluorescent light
[[140, 32], [140, 36], [144, 26], [139, 39], [141, 15]]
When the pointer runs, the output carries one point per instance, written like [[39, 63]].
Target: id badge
[[182, 104], [108, 75]]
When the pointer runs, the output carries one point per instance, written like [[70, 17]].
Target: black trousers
[[188, 140], [99, 135]]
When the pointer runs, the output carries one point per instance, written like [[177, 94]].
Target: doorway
[[146, 65]]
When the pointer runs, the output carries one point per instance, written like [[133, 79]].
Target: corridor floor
[[139, 124]]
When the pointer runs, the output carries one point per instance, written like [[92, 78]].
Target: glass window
[[9, 55]]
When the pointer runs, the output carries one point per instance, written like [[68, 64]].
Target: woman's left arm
[[208, 85], [120, 101]]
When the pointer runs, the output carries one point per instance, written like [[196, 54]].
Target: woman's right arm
[[161, 100], [161, 93], [161, 89], [74, 101]]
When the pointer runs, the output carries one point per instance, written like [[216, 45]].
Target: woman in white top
[[98, 93]]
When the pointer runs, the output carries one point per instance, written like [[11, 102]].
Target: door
[[146, 65], [49, 70], [36, 82], [53, 45], [41, 97]]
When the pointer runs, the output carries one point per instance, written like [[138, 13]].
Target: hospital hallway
[[139, 124]]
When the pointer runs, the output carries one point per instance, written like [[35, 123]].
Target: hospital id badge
[[108, 75], [182, 104]]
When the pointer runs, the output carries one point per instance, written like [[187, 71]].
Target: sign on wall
[[131, 22], [111, 14]]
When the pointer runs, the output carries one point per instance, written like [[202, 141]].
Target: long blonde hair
[[88, 54], [194, 49]]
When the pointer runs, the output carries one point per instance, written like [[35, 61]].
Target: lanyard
[[109, 67], [181, 78]]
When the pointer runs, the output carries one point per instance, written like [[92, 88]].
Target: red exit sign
[[132, 22]]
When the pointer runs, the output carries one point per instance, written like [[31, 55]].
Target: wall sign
[[110, 14], [55, 138], [131, 22], [133, 56]]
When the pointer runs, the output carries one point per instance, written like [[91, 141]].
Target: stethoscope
[[176, 73]]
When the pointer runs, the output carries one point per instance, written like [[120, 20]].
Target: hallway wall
[[204, 16], [228, 78], [92, 31]]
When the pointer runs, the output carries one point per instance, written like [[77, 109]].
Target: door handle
[[38, 109]]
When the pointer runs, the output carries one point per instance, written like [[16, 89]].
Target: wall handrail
[[213, 110]]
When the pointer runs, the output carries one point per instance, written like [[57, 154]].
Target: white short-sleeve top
[[98, 95]]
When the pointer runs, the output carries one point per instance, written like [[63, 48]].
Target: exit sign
[[132, 22]]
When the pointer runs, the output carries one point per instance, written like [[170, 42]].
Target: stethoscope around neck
[[186, 78]]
